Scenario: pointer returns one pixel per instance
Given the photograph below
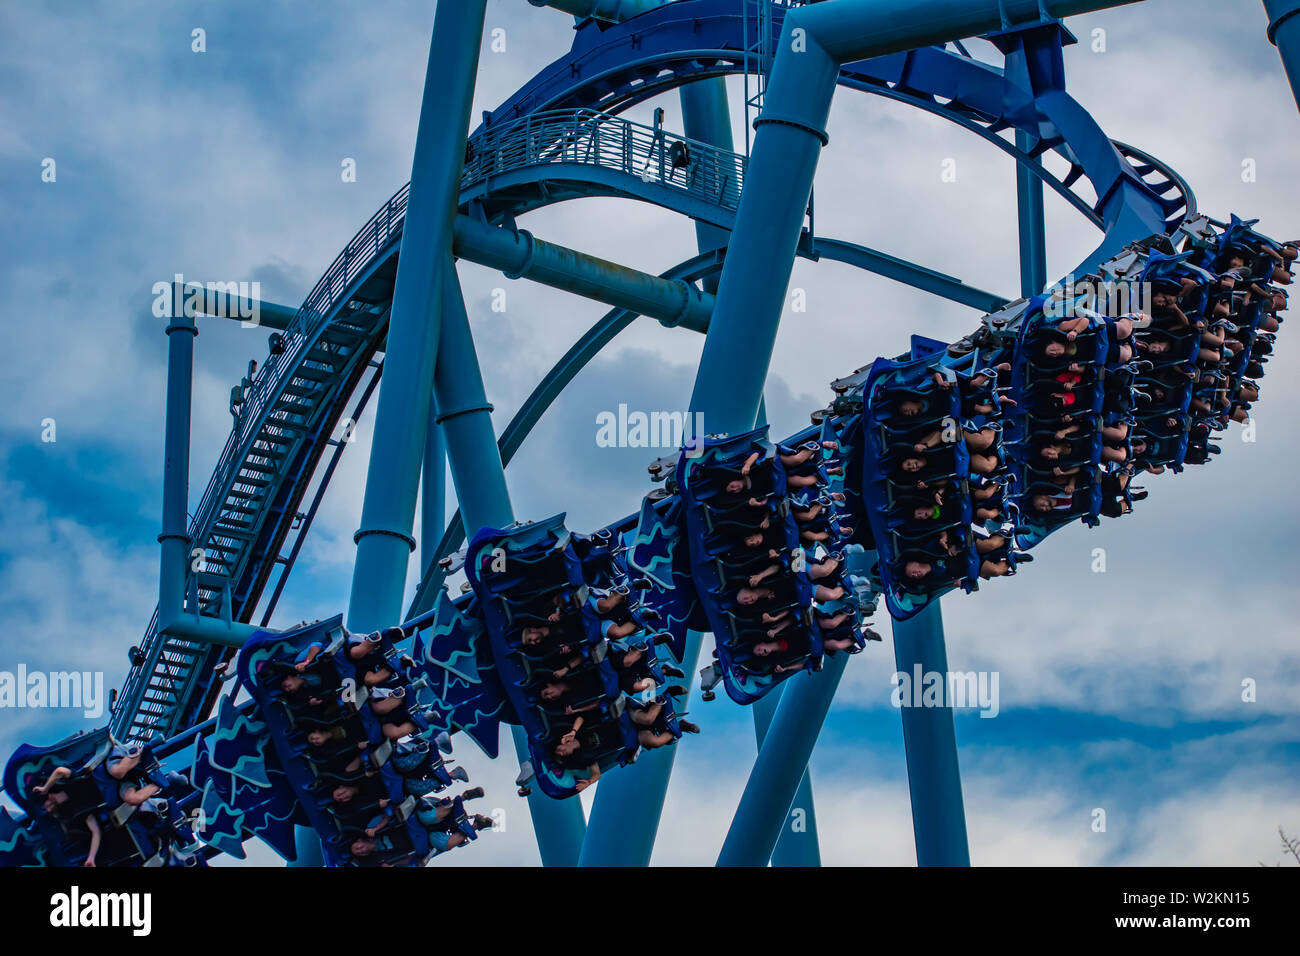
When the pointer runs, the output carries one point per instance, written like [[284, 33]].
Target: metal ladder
[[760, 48]]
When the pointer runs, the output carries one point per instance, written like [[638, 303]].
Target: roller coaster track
[[555, 140]]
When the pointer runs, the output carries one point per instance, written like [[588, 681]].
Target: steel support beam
[[1033, 225], [852, 30], [520, 255], [1029, 184], [776, 774], [207, 630], [257, 313], [433, 489], [815, 41], [611, 11], [384, 542], [900, 270], [930, 740], [1284, 31], [797, 844], [174, 556], [778, 182], [465, 416]]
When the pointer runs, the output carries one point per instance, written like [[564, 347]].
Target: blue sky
[[1118, 690]]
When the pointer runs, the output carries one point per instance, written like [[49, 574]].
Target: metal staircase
[[250, 503]]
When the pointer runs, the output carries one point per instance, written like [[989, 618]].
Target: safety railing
[[590, 138]]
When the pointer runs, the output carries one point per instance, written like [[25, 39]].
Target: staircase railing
[[581, 137]]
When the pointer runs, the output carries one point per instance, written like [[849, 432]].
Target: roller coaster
[[936, 470]]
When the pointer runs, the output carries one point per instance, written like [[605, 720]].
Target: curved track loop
[[542, 146], [611, 68]]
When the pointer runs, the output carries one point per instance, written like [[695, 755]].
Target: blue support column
[[1034, 62], [797, 845], [465, 417], [384, 542], [1033, 225], [1284, 31], [930, 740], [628, 805], [174, 558], [433, 489], [776, 774]]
